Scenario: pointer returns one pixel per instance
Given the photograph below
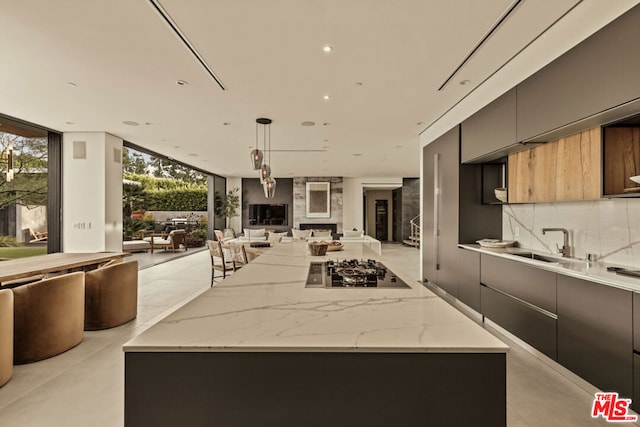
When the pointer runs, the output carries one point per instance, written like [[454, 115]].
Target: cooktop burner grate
[[352, 273]]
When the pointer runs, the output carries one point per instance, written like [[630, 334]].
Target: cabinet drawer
[[635, 405], [636, 322], [530, 284], [528, 324], [595, 337], [469, 278]]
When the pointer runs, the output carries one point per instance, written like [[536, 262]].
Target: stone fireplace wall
[[299, 201]]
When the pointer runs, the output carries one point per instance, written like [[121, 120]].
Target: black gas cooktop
[[352, 273]]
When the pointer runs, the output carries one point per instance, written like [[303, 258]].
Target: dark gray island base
[[304, 389]]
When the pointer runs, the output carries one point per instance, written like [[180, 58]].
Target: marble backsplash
[[608, 228]]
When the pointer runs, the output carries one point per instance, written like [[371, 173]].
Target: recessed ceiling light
[[359, 84], [70, 123], [130, 123], [72, 84], [325, 147], [327, 48], [326, 123], [420, 123], [326, 97], [398, 146], [193, 155], [357, 154], [227, 123], [148, 123], [176, 146], [325, 140], [465, 82], [308, 123], [182, 82]]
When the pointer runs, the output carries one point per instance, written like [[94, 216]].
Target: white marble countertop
[[265, 307], [581, 269]]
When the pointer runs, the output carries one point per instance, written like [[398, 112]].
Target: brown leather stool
[[6, 335], [111, 295], [48, 317]]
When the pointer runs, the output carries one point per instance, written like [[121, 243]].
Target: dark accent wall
[[410, 204], [216, 189], [253, 193], [54, 193]]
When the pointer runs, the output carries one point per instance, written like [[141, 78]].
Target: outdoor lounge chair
[[172, 241], [38, 236]]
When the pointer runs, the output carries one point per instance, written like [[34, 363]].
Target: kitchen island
[[260, 348]]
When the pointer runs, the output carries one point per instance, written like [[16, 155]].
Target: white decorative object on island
[[368, 241]]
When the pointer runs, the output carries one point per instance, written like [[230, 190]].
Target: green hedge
[[177, 200], [163, 194]]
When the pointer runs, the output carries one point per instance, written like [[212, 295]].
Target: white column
[[91, 192]]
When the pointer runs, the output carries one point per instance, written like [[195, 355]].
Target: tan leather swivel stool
[[6, 335], [111, 295], [48, 317]]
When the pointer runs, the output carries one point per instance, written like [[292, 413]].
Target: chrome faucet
[[565, 250]]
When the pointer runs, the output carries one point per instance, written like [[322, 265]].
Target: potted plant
[[229, 205]]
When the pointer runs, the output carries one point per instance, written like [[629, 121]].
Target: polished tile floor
[[84, 387]]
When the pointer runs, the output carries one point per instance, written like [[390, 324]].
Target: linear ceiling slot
[[482, 41], [165, 15]]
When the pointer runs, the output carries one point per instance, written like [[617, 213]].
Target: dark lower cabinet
[[635, 404], [520, 280], [595, 334], [469, 278], [529, 323]]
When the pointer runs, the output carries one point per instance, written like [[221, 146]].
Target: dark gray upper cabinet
[[596, 75], [491, 132]]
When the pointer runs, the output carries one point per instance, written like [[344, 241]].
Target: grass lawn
[[22, 251]]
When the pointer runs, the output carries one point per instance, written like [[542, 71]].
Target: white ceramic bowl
[[635, 179], [501, 194]]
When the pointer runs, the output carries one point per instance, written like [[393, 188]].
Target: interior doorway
[[382, 220], [378, 215]]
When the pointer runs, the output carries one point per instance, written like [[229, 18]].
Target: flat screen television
[[268, 214]]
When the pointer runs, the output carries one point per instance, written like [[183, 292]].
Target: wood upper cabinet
[[566, 169], [621, 160]]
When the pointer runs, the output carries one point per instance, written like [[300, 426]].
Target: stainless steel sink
[[546, 258]]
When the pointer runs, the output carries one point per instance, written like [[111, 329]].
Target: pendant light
[[268, 182], [269, 187], [257, 155], [265, 169]]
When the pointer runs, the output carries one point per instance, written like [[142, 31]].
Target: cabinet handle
[[436, 211]]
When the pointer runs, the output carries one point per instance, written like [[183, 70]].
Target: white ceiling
[[389, 58]]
